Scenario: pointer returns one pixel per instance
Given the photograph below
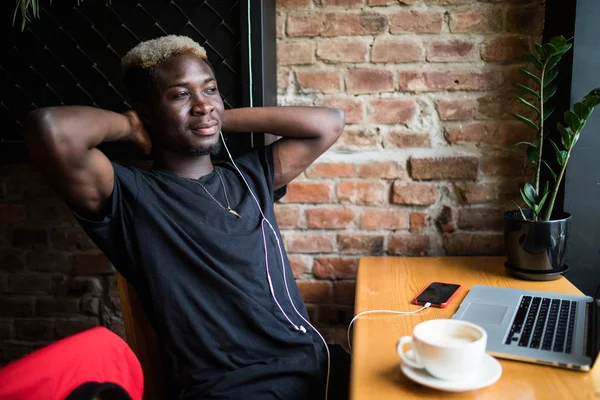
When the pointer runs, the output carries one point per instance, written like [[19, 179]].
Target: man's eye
[[212, 89], [180, 95]]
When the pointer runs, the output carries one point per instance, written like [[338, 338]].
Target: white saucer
[[488, 373]]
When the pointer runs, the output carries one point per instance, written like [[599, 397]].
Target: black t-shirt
[[201, 274]]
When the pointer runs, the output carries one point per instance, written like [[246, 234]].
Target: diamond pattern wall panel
[[72, 54]]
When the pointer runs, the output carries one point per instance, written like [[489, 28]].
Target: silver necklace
[[228, 208]]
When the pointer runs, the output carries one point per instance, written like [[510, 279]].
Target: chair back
[[143, 340]]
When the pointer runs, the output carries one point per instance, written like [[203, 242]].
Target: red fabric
[[53, 372]]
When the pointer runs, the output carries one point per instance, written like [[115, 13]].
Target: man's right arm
[[62, 142]]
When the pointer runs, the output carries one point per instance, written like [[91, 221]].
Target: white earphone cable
[[427, 305]]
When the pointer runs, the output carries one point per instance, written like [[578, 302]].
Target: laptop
[[541, 327]]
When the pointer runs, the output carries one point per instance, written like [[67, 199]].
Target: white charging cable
[[265, 220], [360, 314]]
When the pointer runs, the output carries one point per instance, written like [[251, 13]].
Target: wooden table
[[392, 282]]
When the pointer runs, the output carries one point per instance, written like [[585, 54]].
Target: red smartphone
[[439, 294]]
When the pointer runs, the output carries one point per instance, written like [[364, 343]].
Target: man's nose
[[202, 107]]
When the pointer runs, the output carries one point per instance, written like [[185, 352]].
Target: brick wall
[[423, 167]]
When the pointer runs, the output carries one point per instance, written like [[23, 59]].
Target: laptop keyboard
[[544, 323]]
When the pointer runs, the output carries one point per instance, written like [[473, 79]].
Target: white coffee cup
[[446, 348]]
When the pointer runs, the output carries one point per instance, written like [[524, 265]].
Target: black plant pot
[[536, 250]]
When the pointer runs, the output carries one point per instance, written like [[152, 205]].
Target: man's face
[[187, 113]]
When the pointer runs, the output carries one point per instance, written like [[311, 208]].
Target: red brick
[[360, 81], [343, 50], [48, 307], [395, 49], [29, 283], [455, 108], [315, 292], [502, 49], [453, 168], [11, 262], [283, 79], [362, 192], [319, 81], [293, 4], [525, 20], [481, 219], [415, 194], [69, 327], [474, 193], [450, 2], [12, 306], [474, 243], [91, 264], [71, 239], [409, 244], [383, 170], [418, 221], [354, 243], [49, 211], [14, 351], [383, 218], [35, 329], [446, 50], [329, 218], [330, 170], [91, 305], [288, 217], [300, 265], [11, 213], [24, 183], [344, 292], [416, 21], [295, 53], [490, 133], [310, 243], [392, 111], [308, 192], [358, 138], [333, 314], [501, 106], [449, 80], [353, 24], [49, 262], [476, 21], [342, 3], [445, 220], [305, 24], [503, 165], [353, 107], [29, 238], [335, 267], [403, 139]]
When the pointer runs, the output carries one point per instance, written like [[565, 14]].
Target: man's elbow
[[40, 122], [337, 122]]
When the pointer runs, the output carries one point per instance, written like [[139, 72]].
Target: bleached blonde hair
[[140, 62]]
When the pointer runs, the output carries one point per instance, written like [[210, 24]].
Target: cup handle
[[410, 361]]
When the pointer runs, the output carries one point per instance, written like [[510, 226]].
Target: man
[[198, 241]]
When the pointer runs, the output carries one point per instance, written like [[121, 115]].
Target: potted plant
[[535, 238]]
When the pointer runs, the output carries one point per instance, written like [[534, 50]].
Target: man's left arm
[[306, 133]]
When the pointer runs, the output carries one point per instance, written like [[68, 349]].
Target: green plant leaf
[[550, 91], [550, 170], [532, 76], [560, 154], [552, 61], [526, 200], [530, 192], [525, 143], [550, 75], [548, 110], [532, 154], [582, 111], [528, 104], [536, 63], [527, 121], [572, 121], [565, 135], [541, 51], [527, 90], [592, 99], [558, 41], [541, 203]]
